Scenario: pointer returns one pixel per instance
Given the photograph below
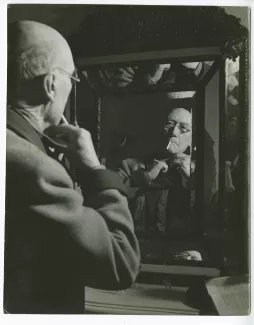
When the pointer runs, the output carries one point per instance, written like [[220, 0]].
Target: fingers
[[124, 74], [60, 136], [59, 143], [66, 135], [131, 165], [181, 155], [130, 70], [183, 163], [126, 167], [164, 169], [76, 144], [138, 166], [165, 66], [161, 165], [64, 129], [123, 77], [180, 158]]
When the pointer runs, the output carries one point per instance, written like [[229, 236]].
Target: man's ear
[[49, 86]]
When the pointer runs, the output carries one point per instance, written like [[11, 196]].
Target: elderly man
[[159, 185], [56, 240]]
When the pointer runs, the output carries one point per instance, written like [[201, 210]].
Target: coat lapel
[[19, 125]]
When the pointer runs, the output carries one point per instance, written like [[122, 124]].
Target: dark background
[[67, 18]]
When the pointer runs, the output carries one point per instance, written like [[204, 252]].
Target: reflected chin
[[173, 148]]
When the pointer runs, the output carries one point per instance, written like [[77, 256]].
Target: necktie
[[165, 180], [161, 214]]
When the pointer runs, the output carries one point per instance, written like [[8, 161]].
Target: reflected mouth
[[173, 141]]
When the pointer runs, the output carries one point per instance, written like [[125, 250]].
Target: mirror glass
[[165, 146], [148, 140]]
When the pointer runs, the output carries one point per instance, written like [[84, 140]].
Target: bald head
[[35, 49], [40, 63], [180, 115], [26, 35]]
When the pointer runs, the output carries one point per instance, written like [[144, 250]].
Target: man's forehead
[[180, 115]]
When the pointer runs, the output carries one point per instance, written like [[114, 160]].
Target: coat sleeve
[[134, 177], [95, 234]]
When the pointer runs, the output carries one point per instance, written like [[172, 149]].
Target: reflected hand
[[131, 165], [76, 143], [157, 71], [124, 76], [184, 162], [191, 65], [157, 167]]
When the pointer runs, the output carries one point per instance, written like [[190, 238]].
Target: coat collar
[[20, 126]]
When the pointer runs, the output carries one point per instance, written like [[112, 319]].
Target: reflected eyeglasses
[[183, 128]]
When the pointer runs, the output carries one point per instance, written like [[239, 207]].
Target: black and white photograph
[[127, 160]]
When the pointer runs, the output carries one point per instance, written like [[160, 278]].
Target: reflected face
[[179, 130]]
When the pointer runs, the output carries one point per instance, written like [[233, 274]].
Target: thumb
[[164, 168], [126, 167]]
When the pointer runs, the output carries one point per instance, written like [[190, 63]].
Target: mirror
[[158, 125], [148, 140]]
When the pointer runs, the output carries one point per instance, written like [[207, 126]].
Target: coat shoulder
[[22, 157]]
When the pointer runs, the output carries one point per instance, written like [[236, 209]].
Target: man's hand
[[184, 162], [157, 167], [76, 143]]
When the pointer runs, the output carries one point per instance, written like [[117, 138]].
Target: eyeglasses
[[74, 77], [183, 128]]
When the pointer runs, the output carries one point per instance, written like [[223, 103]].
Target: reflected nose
[[175, 131]]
